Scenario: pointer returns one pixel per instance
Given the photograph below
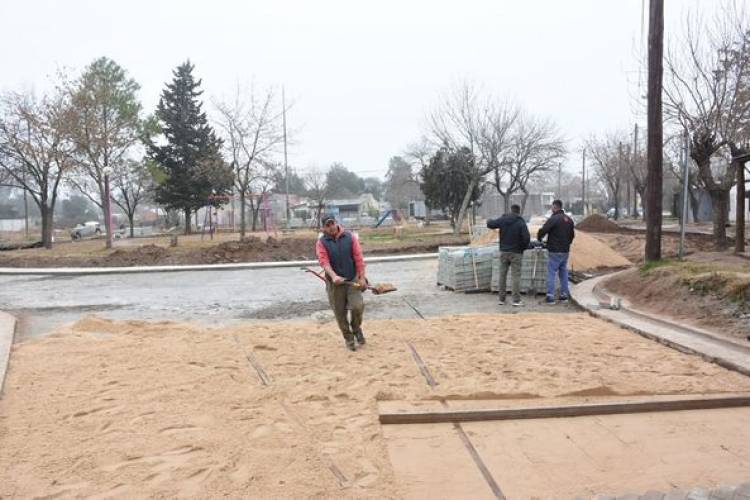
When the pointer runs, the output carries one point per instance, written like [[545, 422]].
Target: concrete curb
[[683, 338], [79, 271], [7, 333]]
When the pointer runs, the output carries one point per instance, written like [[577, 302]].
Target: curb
[[7, 333], [673, 344], [80, 271]]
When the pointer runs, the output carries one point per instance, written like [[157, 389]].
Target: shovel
[[377, 289]]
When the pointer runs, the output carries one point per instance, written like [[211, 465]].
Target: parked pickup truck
[[93, 228]]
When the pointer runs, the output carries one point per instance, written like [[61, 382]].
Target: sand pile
[[164, 409], [598, 224], [588, 253]]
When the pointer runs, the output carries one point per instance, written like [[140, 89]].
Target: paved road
[[42, 303]]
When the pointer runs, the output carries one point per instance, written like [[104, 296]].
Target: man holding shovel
[[340, 256]]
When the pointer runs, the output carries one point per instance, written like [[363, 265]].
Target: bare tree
[[637, 166], [35, 149], [703, 94], [253, 132], [454, 124], [317, 188], [131, 186], [611, 170], [535, 148], [674, 150]]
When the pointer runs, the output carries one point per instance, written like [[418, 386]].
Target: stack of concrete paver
[[466, 268], [533, 272]]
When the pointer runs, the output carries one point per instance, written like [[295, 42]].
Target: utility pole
[[685, 179], [655, 130], [286, 165], [741, 159], [619, 170], [583, 182], [635, 163]]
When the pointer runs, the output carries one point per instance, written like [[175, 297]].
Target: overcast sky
[[362, 74]]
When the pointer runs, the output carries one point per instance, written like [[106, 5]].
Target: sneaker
[[360, 337], [564, 298], [549, 300], [517, 303], [501, 302], [351, 345]]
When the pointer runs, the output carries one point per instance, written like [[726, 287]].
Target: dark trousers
[[343, 299], [510, 260]]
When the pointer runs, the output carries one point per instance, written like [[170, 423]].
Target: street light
[[107, 206]]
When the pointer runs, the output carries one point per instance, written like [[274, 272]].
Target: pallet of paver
[[465, 269], [533, 272]]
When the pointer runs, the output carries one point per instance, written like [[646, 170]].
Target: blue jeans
[[557, 264]]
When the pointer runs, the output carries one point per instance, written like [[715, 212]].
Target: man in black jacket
[[560, 231], [514, 239]]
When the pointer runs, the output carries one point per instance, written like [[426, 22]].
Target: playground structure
[[395, 216]]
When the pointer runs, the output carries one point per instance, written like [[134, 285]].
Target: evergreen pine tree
[[195, 174]]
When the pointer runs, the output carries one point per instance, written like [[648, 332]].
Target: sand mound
[[598, 224], [587, 253]]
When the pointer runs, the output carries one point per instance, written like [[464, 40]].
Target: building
[[353, 208]]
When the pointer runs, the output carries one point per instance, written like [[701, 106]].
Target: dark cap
[[328, 218]]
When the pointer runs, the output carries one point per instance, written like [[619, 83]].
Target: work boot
[[550, 301], [360, 337], [350, 344]]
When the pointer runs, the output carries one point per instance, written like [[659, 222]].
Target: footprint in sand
[[262, 347], [260, 431], [178, 428]]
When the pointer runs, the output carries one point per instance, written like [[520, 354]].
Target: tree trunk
[[739, 245], [187, 221], [506, 202], [720, 206], [46, 213], [464, 205], [255, 210], [617, 204], [642, 194], [627, 199], [694, 207], [523, 202], [131, 220], [243, 223], [655, 130]]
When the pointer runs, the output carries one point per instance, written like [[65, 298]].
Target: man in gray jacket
[[514, 239]]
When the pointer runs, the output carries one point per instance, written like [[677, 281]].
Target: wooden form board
[[531, 412]]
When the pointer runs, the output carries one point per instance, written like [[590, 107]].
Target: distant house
[[418, 210], [353, 208]]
